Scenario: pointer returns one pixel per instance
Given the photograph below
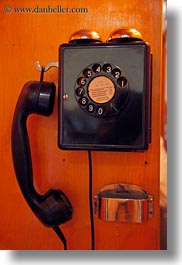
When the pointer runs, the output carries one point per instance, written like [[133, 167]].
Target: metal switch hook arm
[[46, 67]]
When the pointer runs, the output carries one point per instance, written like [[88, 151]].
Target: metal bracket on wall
[[46, 67], [123, 203]]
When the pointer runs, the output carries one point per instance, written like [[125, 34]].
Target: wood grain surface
[[27, 37]]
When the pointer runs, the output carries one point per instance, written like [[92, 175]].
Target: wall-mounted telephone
[[104, 104], [104, 92]]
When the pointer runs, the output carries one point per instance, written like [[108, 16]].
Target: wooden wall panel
[[26, 37]]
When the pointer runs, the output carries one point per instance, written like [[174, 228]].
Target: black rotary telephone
[[104, 104]]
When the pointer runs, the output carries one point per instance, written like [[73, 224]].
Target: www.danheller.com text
[[48, 9]]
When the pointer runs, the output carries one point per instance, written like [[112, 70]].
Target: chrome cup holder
[[123, 203]]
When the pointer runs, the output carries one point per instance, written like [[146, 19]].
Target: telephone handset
[[104, 104], [53, 208]]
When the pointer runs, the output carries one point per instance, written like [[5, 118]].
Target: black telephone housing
[[104, 96]]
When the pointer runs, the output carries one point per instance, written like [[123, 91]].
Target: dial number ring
[[102, 89]]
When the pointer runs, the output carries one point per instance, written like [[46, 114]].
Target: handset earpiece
[[52, 208]]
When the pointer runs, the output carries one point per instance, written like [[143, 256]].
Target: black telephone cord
[[58, 230], [90, 201], [61, 236]]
